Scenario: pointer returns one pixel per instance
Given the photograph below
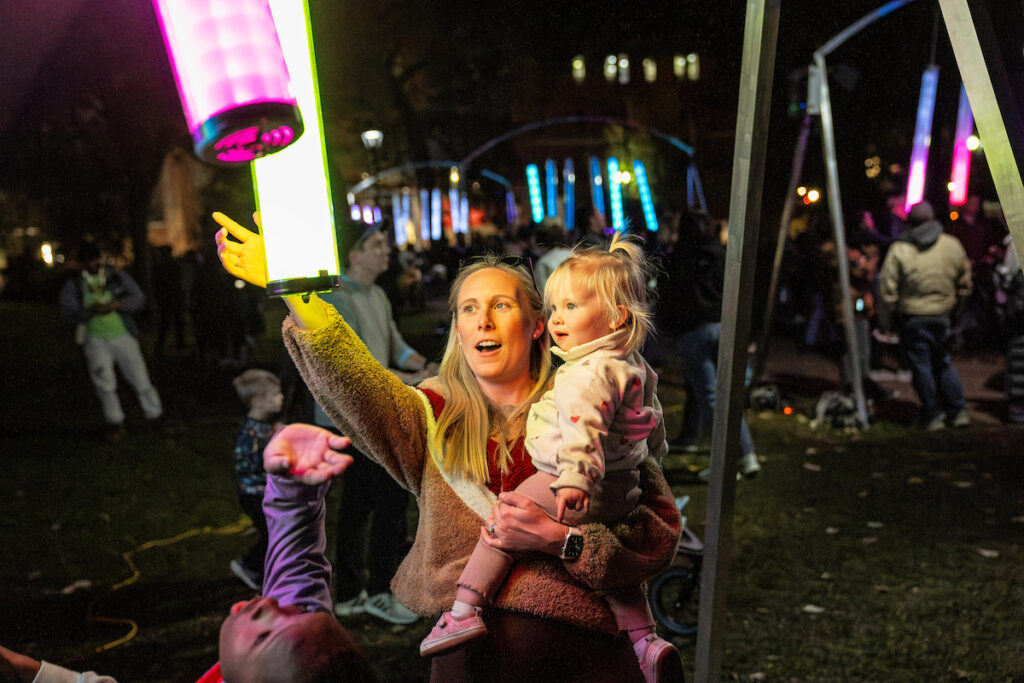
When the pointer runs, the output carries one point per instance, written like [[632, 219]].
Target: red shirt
[[519, 469]]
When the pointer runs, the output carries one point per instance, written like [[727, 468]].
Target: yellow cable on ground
[[241, 525]]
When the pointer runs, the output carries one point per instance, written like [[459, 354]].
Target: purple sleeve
[[296, 571]]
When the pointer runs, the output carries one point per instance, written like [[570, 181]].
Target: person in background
[[372, 530], [99, 302], [260, 392], [690, 309], [551, 249], [925, 276]]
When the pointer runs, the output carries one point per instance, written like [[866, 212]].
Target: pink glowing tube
[[231, 77], [961, 153], [922, 137]]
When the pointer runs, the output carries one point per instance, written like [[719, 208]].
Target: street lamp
[[372, 140]]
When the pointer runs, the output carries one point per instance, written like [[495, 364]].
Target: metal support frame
[[819, 103], [993, 102], [835, 206], [759, 40]]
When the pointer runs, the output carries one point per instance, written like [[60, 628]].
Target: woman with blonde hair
[[587, 436], [456, 442]]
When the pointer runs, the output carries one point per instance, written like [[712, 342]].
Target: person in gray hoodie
[[925, 276]]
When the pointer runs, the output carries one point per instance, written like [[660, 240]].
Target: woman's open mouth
[[487, 347]]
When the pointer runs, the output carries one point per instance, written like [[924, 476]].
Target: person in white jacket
[[587, 436]]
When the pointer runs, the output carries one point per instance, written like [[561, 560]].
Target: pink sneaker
[[659, 660], [449, 632]]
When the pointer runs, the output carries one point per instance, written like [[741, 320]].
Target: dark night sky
[[115, 48]]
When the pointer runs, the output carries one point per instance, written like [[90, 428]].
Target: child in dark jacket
[[260, 392]]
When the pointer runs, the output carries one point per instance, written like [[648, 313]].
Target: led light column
[[425, 217], [646, 200], [569, 201], [922, 136], [293, 192], [596, 186], [615, 193], [961, 153], [551, 175], [232, 78], [435, 214], [533, 185]]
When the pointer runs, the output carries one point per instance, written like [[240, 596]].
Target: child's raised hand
[[245, 259], [307, 454], [568, 498]]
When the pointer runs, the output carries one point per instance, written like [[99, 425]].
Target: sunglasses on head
[[511, 261]]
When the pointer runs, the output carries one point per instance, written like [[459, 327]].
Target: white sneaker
[[385, 606], [705, 475], [749, 466], [348, 608]]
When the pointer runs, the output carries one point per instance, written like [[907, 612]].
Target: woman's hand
[[519, 524], [246, 258], [307, 454]]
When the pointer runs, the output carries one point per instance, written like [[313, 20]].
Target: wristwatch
[[573, 546]]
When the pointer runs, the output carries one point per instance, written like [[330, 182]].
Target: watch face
[[573, 547]]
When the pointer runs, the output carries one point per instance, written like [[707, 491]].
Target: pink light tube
[[922, 136], [961, 155], [231, 77]]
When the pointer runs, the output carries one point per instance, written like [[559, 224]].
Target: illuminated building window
[[650, 70], [579, 69]]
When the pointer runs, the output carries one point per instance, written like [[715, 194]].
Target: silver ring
[[490, 530]]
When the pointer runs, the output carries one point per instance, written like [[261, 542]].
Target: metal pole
[[759, 40], [835, 206], [796, 170], [993, 102]]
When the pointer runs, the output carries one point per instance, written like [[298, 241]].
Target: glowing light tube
[[293, 192], [400, 209], [922, 137], [464, 213], [551, 176], [232, 78], [597, 186], [533, 185], [511, 211], [453, 208], [615, 193], [435, 214], [569, 200], [424, 216], [961, 155], [646, 200]]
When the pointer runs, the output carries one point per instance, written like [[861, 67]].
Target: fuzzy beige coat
[[393, 424]]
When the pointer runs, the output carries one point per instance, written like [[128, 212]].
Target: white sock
[[461, 610]]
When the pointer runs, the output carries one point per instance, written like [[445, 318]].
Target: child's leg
[[488, 567], [480, 580], [632, 612], [659, 659]]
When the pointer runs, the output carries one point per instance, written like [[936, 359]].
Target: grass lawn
[[888, 555]]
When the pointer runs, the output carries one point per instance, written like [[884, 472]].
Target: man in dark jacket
[[99, 303], [925, 276], [690, 308]]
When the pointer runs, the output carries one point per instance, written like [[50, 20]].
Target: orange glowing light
[[787, 411], [953, 215]]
